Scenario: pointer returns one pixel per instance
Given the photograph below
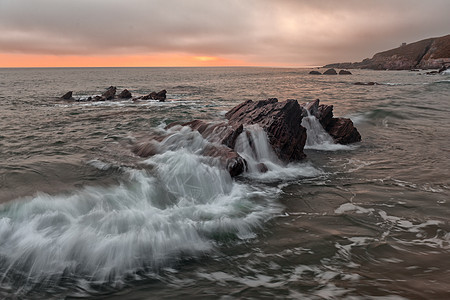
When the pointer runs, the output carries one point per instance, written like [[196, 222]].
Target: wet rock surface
[[281, 121]]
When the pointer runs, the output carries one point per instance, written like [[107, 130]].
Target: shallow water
[[84, 217]]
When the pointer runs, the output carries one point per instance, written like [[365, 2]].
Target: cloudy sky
[[210, 32]]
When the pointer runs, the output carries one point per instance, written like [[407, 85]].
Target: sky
[[140, 33]]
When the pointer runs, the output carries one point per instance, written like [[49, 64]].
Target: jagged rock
[[98, 98], [110, 93], [67, 96], [324, 114], [125, 94], [330, 72], [310, 107], [280, 120], [315, 73], [221, 133], [343, 131], [160, 96], [442, 69], [345, 72]]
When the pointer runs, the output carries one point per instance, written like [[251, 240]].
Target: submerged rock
[[366, 83], [67, 96]]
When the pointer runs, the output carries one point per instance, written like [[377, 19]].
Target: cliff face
[[425, 54]]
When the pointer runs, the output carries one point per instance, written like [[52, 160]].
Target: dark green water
[[81, 216]]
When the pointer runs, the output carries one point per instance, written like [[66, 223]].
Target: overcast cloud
[[258, 31]]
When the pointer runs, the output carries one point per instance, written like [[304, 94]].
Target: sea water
[[82, 216]]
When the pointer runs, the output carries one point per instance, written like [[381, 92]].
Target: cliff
[[430, 53]]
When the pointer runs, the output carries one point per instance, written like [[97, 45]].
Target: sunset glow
[[174, 60]]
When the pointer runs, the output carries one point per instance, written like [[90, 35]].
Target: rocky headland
[[432, 53]]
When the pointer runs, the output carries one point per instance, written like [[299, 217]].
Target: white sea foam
[[182, 208], [253, 145], [318, 138]]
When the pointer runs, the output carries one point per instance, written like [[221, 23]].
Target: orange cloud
[[159, 60]]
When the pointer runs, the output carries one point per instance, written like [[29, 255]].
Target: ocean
[[81, 216]]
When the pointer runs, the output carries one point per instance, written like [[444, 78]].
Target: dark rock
[[98, 98], [315, 73], [345, 72], [330, 72], [280, 120], [231, 160], [311, 107], [366, 83], [89, 98], [125, 94], [160, 96], [110, 93], [343, 131], [67, 96], [442, 69], [262, 168], [324, 114], [432, 73], [221, 133]]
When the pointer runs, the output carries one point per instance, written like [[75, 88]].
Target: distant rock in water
[[330, 72], [125, 94], [345, 72], [110, 93], [430, 53], [366, 83], [160, 96], [67, 96], [315, 73]]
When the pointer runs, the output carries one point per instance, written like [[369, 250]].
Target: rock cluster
[[110, 94], [331, 72], [280, 120]]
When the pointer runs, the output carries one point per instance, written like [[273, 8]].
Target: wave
[[182, 206]]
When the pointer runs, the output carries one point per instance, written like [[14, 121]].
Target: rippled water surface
[[82, 217]]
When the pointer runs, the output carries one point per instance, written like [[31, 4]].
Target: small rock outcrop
[[160, 96], [67, 96], [330, 72], [345, 72], [343, 131], [315, 73], [110, 93], [125, 94]]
